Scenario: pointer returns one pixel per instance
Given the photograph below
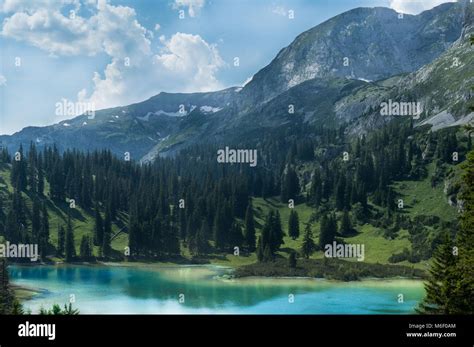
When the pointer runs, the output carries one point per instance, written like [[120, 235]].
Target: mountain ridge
[[168, 122]]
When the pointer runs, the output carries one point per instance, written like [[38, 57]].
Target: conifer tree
[[98, 227], [85, 248], [308, 246], [440, 285], [70, 249], [328, 231], [293, 225], [61, 241], [346, 227], [249, 235]]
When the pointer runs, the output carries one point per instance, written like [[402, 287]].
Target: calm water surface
[[116, 289]]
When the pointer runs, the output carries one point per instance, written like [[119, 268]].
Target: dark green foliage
[[308, 247], [86, 248], [328, 230], [249, 231], [61, 247], [290, 187], [346, 226], [328, 268], [7, 299], [57, 310], [271, 238], [450, 287], [70, 250], [440, 285], [293, 225]]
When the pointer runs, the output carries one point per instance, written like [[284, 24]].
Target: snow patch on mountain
[[209, 109]]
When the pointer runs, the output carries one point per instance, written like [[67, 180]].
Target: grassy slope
[[83, 220]]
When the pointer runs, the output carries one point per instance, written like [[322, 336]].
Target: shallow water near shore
[[206, 289]]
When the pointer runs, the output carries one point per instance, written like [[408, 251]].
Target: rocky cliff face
[[364, 43]]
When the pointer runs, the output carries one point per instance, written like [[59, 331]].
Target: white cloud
[[3, 81], [279, 10], [414, 6], [8, 6], [157, 26], [187, 63], [113, 30], [193, 6]]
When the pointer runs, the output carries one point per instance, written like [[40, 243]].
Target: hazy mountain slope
[[443, 88], [375, 41], [135, 128]]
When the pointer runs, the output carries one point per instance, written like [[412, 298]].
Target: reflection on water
[[109, 289]]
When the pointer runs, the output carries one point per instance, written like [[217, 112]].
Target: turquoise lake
[[153, 290]]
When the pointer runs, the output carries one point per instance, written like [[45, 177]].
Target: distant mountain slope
[[135, 128], [375, 41], [443, 88]]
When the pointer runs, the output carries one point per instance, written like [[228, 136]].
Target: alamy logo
[[341, 250], [233, 156], [396, 108], [37, 330], [12, 250], [71, 109]]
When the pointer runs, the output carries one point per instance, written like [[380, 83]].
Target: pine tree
[[346, 227], [85, 248], [316, 188], [44, 230], [36, 221], [106, 248], [290, 187], [328, 231], [340, 193], [61, 241], [40, 186], [70, 248], [199, 244], [293, 225], [219, 229], [7, 299], [308, 246], [236, 237], [98, 227], [133, 236], [259, 249], [277, 232], [18, 175], [249, 234], [440, 286]]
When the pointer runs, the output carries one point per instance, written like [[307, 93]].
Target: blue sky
[[112, 53]]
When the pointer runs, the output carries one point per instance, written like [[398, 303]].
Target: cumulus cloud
[[414, 6], [187, 63], [8, 6], [184, 62], [279, 10], [193, 6], [3, 81], [113, 29]]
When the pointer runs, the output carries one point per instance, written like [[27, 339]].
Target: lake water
[[129, 290]]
